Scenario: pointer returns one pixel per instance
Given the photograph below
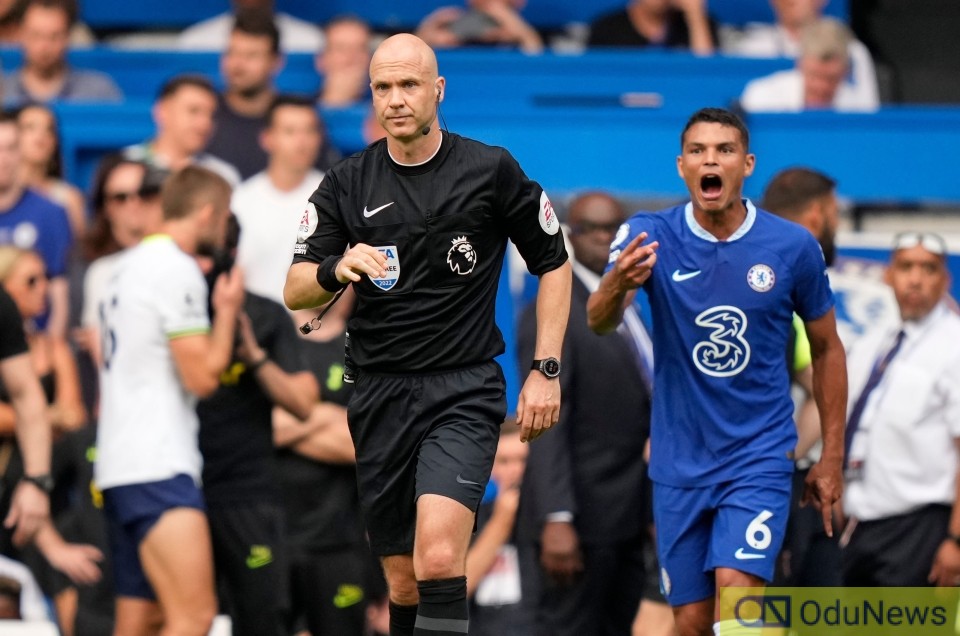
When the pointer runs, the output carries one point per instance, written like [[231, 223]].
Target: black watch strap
[[43, 482], [549, 367]]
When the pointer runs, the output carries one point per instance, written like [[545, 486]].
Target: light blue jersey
[[722, 314]]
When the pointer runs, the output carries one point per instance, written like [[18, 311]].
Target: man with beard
[[160, 354], [809, 557], [248, 66], [45, 75]]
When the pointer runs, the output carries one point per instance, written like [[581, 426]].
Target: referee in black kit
[[427, 215]]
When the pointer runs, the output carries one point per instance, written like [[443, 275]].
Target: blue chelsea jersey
[[722, 314]]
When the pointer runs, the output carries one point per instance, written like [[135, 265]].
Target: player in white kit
[[159, 355]]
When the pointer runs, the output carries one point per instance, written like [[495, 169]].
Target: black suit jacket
[[591, 462]]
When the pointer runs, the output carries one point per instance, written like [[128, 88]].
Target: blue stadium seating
[[392, 14]]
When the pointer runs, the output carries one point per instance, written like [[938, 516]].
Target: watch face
[[551, 367]]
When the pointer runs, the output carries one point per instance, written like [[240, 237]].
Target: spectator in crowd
[[161, 354], [23, 276], [46, 76], [126, 208], [271, 204], [485, 22], [212, 34], [183, 114], [31, 221], [41, 165], [240, 483], [782, 39], [329, 556], [672, 24], [819, 80], [344, 63], [11, 19], [903, 432], [28, 507], [248, 66], [494, 574], [809, 556], [583, 493]]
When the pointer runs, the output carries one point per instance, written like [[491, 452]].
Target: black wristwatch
[[549, 367], [43, 482]]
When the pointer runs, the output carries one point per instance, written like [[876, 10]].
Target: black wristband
[[259, 363], [327, 274]]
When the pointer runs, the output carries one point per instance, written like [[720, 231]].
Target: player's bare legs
[[178, 561], [137, 617], [697, 619]]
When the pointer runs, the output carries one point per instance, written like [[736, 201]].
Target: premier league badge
[[392, 268], [461, 257]]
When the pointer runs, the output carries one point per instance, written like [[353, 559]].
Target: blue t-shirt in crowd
[[37, 223]]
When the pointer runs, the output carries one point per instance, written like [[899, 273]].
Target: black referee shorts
[[422, 434]]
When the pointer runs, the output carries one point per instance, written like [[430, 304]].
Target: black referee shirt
[[443, 226]]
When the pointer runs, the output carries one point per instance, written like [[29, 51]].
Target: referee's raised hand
[[359, 260]]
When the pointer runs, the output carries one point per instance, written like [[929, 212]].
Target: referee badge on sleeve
[[548, 216], [308, 223]]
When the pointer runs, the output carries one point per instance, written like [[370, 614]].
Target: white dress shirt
[[906, 438], [782, 92]]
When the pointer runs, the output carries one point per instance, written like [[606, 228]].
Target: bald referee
[[427, 214]]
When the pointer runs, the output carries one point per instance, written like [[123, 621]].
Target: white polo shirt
[[148, 420], [907, 431]]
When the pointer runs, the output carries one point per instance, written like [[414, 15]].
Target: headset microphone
[[426, 129]]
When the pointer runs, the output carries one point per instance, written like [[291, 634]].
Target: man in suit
[[582, 496]]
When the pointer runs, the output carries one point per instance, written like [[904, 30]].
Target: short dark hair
[[720, 116], [189, 189], [177, 82], [260, 23], [296, 101], [791, 191], [69, 8]]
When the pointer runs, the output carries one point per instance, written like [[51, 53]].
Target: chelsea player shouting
[[724, 280]]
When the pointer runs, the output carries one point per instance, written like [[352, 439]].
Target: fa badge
[[392, 268], [461, 257], [761, 278]]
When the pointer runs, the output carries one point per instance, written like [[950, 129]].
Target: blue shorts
[[131, 511], [736, 524]]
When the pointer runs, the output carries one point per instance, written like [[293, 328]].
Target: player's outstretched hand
[[359, 260], [538, 408], [635, 263], [823, 487]]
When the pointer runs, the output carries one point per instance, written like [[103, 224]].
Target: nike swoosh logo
[[743, 556], [368, 213], [677, 276], [461, 480]]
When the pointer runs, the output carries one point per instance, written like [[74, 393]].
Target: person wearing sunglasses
[[903, 431]]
